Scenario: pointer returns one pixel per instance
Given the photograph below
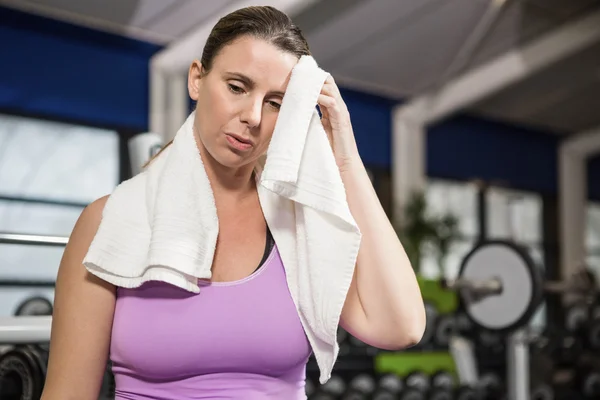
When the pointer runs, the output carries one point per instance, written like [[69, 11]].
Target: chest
[[240, 245]]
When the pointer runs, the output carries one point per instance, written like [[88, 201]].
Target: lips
[[239, 138], [238, 143]]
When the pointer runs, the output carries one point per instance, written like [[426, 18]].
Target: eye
[[235, 89], [274, 104]]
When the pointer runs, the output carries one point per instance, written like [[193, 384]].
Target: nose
[[252, 112]]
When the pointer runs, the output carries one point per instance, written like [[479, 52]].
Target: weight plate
[[594, 335], [20, 376], [309, 386], [335, 386], [591, 385], [34, 306], [466, 393], [417, 380], [542, 392], [444, 329], [576, 317], [391, 383], [441, 394], [442, 380], [521, 285], [353, 395], [412, 394], [383, 395], [363, 383], [431, 316]]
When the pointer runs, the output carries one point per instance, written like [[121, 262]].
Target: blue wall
[[54, 69], [372, 124], [466, 148], [66, 72]]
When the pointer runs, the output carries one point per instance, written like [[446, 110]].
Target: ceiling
[[394, 48]]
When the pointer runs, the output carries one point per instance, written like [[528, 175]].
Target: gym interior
[[478, 121]]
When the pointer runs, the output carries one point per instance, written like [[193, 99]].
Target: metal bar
[[484, 287], [517, 370], [15, 283], [27, 239], [38, 200], [25, 330]]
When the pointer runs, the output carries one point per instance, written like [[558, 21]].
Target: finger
[[330, 83], [331, 91], [327, 101]]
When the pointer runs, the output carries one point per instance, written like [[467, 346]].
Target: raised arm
[[82, 319]]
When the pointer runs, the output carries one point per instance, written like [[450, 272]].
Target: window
[[49, 171], [459, 199]]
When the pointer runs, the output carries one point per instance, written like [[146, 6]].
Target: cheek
[[215, 110]]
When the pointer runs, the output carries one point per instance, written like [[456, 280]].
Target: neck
[[232, 183]]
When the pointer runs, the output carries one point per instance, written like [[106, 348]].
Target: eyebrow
[[250, 82]]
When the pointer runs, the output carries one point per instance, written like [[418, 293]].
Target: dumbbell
[[588, 383], [23, 373], [583, 321], [359, 388], [416, 386], [467, 393], [388, 388], [442, 386], [542, 391], [332, 389], [564, 348], [446, 326], [490, 386]]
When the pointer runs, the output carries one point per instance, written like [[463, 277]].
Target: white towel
[[162, 224]]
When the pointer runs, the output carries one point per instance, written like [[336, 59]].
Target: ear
[[194, 77]]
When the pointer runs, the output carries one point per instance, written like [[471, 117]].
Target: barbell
[[501, 287]]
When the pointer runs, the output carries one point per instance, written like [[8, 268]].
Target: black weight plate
[[20, 371], [521, 279], [445, 328], [391, 383], [440, 394], [37, 305], [383, 395], [542, 392], [431, 316], [412, 394]]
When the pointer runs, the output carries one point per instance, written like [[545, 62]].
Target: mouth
[[238, 142]]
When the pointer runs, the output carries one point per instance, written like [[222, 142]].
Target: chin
[[230, 159]]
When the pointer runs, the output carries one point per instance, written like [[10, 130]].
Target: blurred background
[[478, 120]]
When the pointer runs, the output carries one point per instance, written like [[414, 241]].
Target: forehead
[[261, 61]]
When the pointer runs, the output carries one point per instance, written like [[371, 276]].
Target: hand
[[336, 121]]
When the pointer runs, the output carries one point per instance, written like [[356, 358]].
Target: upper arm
[[81, 320]]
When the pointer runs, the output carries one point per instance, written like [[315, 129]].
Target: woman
[[241, 337]]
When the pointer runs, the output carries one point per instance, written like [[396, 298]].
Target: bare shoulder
[[88, 222], [92, 214]]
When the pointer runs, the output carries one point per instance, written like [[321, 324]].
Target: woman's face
[[238, 100]]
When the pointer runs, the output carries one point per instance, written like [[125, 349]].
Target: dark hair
[[261, 22]]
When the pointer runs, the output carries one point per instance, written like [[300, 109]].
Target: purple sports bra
[[233, 340]]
